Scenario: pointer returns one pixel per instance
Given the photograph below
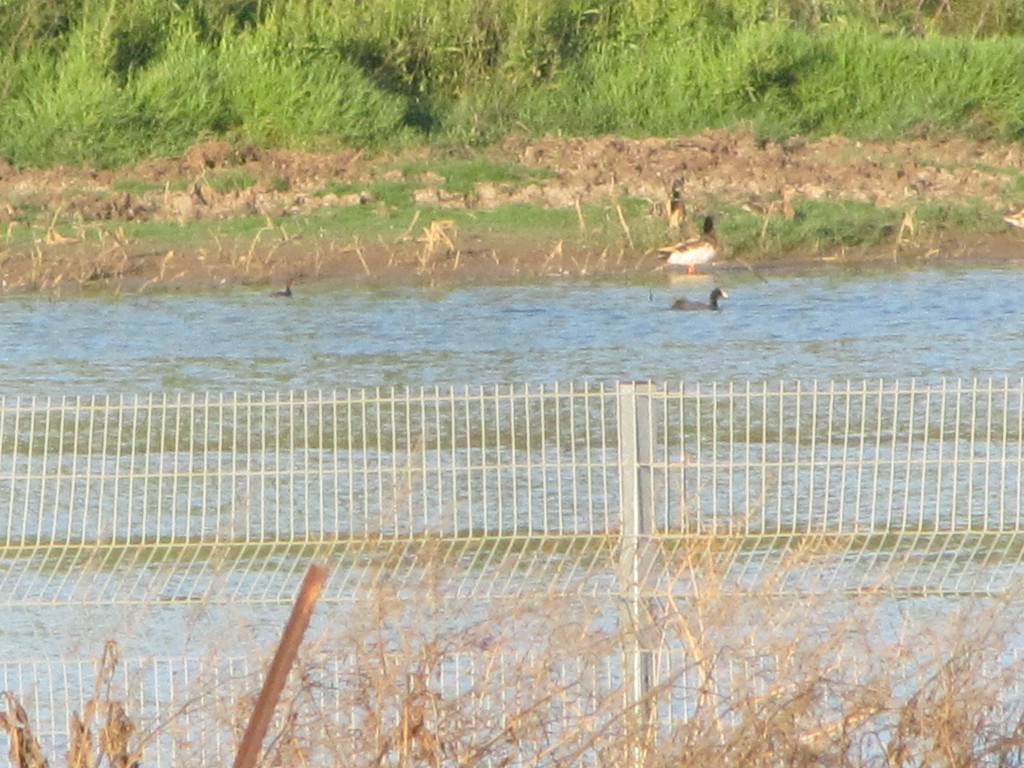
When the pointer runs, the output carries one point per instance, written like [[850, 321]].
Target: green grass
[[364, 223], [1016, 185], [830, 225], [463, 174], [850, 80], [231, 180], [826, 225], [368, 222], [392, 194], [135, 186], [280, 184], [102, 83], [819, 226]]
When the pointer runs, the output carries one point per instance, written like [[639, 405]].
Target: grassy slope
[[102, 83]]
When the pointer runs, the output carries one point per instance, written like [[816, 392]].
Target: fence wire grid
[[592, 492], [135, 499]]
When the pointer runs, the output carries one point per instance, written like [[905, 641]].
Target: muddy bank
[[65, 228]]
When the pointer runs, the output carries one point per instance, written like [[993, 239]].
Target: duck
[[676, 206], [1016, 218], [286, 293], [716, 294], [697, 250]]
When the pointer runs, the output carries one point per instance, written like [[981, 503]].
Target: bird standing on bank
[[690, 253], [286, 293], [676, 207]]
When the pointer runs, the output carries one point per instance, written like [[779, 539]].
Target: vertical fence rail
[[634, 406]]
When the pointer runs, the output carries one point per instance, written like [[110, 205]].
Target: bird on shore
[[286, 293], [686, 304], [1016, 218], [690, 253], [676, 208]]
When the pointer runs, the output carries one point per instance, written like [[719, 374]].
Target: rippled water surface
[[926, 323], [837, 324]]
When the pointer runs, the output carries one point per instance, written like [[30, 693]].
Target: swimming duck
[[1015, 219], [286, 293], [690, 253], [716, 294]]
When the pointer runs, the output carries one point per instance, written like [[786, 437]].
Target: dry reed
[[736, 675]]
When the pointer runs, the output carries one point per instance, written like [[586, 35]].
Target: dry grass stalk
[[162, 275], [556, 253], [407, 235], [80, 749], [579, 216], [359, 252], [752, 672], [250, 255], [624, 225], [438, 239], [905, 234], [823, 681], [52, 236], [24, 750], [115, 735], [813, 682]]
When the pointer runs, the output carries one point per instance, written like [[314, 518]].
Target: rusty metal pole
[[259, 721]]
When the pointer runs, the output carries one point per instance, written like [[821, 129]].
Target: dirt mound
[[736, 167]]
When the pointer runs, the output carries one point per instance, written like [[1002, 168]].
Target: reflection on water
[[926, 323]]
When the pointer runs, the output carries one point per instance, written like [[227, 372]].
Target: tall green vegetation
[[102, 82], [782, 81]]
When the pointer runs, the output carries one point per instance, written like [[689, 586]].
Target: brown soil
[[77, 217]]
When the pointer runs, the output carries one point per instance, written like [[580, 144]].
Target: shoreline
[[538, 208], [193, 272]]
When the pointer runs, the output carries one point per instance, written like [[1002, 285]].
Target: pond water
[[836, 324]]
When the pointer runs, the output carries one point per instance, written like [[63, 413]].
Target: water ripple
[[859, 324]]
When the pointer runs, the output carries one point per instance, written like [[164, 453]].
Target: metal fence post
[[635, 555]]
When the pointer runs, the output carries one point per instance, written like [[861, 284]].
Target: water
[[837, 324]]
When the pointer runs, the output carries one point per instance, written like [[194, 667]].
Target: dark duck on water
[[286, 293], [712, 304]]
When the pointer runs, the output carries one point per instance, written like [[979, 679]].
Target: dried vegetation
[[410, 677]]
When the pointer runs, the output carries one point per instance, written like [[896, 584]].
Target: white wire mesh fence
[[176, 485], [600, 494]]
